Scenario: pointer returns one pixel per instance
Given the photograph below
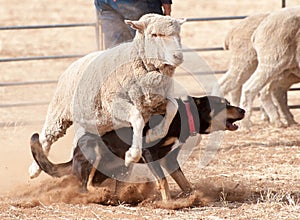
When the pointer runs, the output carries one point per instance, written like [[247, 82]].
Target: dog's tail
[[55, 170]]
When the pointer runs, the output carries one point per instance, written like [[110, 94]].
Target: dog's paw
[[134, 154], [292, 123], [34, 170]]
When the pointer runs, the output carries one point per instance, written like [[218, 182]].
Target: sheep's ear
[[137, 25], [181, 20]]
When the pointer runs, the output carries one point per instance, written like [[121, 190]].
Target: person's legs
[[114, 29]]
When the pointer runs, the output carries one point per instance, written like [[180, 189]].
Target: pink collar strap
[[191, 122]]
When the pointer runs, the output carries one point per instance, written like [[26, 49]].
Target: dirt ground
[[254, 175]]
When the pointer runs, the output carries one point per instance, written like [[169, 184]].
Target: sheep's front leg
[[134, 153], [162, 128]]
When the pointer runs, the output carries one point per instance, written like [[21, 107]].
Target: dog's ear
[[197, 101]]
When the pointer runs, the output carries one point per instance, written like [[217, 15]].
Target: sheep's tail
[[55, 170]]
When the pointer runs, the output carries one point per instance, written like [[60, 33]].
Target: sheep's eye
[[157, 35]]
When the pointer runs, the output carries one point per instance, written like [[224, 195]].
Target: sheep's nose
[[178, 56]]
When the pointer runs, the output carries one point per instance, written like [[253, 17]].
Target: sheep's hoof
[[134, 154], [34, 170], [278, 124], [245, 125], [264, 117]]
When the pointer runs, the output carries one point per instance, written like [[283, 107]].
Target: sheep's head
[[159, 38]]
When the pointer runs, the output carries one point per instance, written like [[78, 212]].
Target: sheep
[[243, 60], [276, 41], [242, 65], [119, 87]]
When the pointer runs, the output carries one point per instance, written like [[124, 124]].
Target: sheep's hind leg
[[280, 95], [269, 106], [134, 153]]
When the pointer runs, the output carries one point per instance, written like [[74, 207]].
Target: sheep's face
[[161, 38]]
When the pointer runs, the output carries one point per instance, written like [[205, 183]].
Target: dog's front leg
[[163, 186], [162, 128], [134, 153], [152, 161]]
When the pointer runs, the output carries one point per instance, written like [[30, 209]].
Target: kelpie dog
[[93, 153]]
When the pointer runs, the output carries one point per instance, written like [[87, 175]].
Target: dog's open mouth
[[230, 124]]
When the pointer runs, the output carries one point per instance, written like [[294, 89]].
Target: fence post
[[99, 33], [97, 29]]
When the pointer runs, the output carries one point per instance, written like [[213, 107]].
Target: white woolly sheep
[[119, 87], [276, 42], [243, 60], [242, 65]]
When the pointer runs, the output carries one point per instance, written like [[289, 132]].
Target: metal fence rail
[[216, 18], [13, 59], [6, 84], [46, 26]]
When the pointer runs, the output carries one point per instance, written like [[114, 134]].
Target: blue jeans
[[115, 30], [112, 15]]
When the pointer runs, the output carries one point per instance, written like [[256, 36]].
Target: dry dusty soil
[[253, 175]]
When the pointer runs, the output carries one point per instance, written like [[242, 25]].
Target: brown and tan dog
[[94, 153]]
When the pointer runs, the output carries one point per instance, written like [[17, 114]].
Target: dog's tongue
[[231, 126]]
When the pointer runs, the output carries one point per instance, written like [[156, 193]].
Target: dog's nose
[[241, 111]]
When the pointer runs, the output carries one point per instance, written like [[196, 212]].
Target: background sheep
[[107, 90], [243, 60], [276, 42], [242, 65]]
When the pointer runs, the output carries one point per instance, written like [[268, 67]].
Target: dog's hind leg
[[89, 183]]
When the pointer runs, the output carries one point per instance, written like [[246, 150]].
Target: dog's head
[[216, 113]]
